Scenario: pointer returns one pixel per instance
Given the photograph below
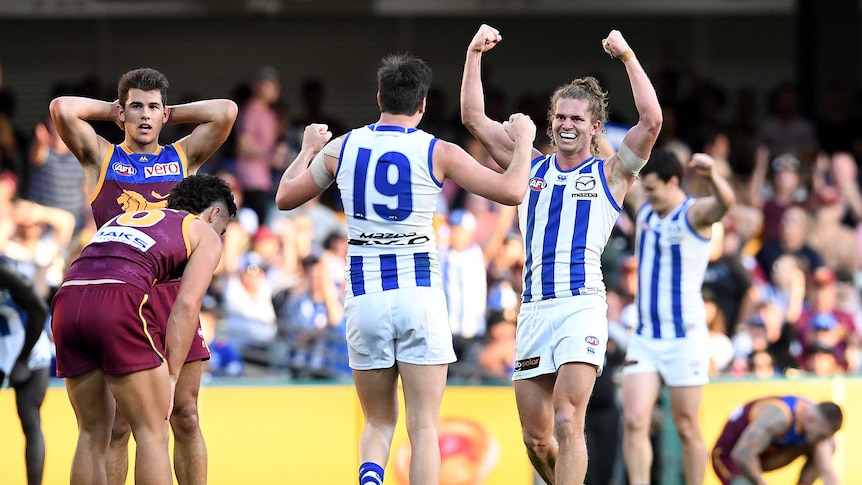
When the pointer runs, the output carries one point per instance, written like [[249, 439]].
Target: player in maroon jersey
[[109, 349], [769, 433], [137, 175]]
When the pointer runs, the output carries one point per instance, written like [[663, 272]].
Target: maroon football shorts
[[162, 298], [104, 326]]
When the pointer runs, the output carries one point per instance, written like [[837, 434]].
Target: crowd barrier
[[259, 432]]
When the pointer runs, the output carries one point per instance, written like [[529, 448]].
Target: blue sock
[[370, 474]]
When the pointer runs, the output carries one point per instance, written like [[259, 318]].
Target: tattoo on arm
[[770, 423]]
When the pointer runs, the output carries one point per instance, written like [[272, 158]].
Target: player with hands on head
[[138, 174], [390, 175], [565, 221]]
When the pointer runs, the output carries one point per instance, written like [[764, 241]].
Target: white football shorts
[[560, 330], [409, 325], [680, 362]]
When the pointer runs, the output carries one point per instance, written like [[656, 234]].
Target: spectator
[[726, 278], [257, 133], [794, 228], [305, 322], [56, 177], [774, 196], [465, 282], [248, 309], [762, 365], [829, 237], [820, 360], [822, 323]]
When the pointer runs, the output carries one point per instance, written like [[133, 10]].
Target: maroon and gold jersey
[[138, 248], [132, 182]]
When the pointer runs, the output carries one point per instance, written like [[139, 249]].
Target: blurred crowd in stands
[[782, 288]]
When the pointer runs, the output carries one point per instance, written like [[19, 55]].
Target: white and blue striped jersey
[[566, 220], [672, 259], [390, 195]]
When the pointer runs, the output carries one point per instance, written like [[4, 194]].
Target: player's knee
[[538, 444], [687, 429], [636, 421], [184, 420], [120, 432], [568, 423]]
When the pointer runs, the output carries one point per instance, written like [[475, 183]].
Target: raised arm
[[490, 133], [771, 422], [70, 114], [708, 210], [508, 187], [214, 119], [638, 143], [303, 179]]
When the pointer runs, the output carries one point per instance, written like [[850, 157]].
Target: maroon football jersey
[[139, 248]]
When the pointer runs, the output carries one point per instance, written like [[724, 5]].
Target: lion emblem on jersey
[[131, 201]]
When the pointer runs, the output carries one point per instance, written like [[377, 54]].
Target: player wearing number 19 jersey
[[390, 174]]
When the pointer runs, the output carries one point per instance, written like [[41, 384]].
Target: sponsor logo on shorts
[[592, 341], [537, 183], [527, 364], [123, 169]]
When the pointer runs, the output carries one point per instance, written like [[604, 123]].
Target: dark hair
[[832, 414], [403, 81], [587, 88], [145, 79], [198, 192], [664, 164]]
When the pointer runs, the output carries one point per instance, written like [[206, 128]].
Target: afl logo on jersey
[[592, 341], [537, 183], [123, 169], [584, 183]]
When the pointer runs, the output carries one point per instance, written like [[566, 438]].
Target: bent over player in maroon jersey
[[109, 349]]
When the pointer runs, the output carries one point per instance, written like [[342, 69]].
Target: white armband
[[321, 175], [631, 162]]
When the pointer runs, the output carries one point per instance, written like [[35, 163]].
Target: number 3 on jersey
[[391, 165]]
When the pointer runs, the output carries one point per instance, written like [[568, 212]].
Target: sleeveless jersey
[[136, 181], [138, 248], [672, 259], [390, 195], [742, 416], [566, 220]]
